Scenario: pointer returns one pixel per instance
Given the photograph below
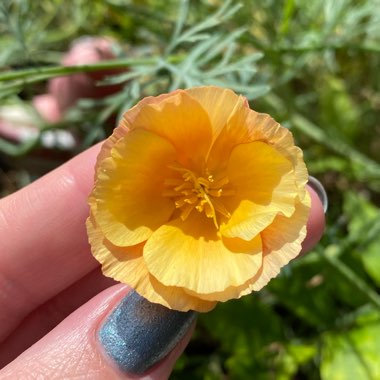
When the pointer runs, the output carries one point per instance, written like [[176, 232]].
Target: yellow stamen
[[190, 192]]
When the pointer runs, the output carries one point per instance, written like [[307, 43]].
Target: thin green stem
[[51, 71], [322, 47]]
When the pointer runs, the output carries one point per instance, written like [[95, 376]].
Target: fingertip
[[316, 222], [145, 339], [163, 369]]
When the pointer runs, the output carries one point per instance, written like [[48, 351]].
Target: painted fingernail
[[320, 190], [138, 333]]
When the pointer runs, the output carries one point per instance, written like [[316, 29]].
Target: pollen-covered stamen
[[201, 193]]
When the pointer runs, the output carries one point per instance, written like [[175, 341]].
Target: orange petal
[[263, 181], [183, 122], [219, 104], [127, 265], [130, 204], [282, 241], [268, 130], [123, 128], [189, 254], [234, 132]]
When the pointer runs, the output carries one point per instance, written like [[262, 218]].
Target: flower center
[[200, 193]]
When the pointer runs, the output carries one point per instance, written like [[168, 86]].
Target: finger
[[316, 222], [146, 337], [44, 246], [43, 319]]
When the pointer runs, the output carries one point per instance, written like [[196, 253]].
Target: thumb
[[116, 335]]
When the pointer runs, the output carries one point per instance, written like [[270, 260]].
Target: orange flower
[[197, 199]]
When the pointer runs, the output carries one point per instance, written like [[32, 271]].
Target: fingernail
[[320, 190], [138, 333]]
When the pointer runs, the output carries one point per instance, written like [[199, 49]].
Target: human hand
[[47, 274]]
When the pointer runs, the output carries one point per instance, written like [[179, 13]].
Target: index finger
[[43, 238]]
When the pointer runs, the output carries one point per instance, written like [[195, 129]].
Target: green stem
[[316, 48], [46, 72]]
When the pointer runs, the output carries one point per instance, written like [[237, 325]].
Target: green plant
[[311, 65]]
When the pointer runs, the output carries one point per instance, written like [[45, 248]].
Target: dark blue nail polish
[[138, 333]]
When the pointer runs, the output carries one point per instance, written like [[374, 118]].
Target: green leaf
[[292, 358], [245, 328], [364, 228], [352, 355], [338, 110]]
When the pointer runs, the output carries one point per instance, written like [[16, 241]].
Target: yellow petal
[[235, 132], [129, 189], [232, 292], [267, 130], [127, 265], [183, 122], [282, 241], [123, 128], [263, 181], [219, 104], [245, 125], [189, 254], [114, 258], [173, 297]]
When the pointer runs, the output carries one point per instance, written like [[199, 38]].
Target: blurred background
[[69, 69]]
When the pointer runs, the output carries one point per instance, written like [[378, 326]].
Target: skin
[[51, 289]]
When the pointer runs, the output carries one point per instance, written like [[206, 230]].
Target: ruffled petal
[[130, 185], [234, 132], [263, 182], [123, 128], [181, 120], [281, 244], [219, 104], [189, 254], [126, 264], [173, 297], [282, 241], [264, 128]]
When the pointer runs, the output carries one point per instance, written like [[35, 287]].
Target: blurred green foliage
[[312, 65]]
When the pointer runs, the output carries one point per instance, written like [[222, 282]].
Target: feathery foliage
[[314, 66]]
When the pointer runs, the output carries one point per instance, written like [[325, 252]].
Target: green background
[[315, 67]]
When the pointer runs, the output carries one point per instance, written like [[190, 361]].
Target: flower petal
[[173, 297], [130, 204], [123, 128], [263, 181], [219, 104], [127, 265], [270, 131], [189, 254], [282, 241], [183, 122], [234, 132]]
